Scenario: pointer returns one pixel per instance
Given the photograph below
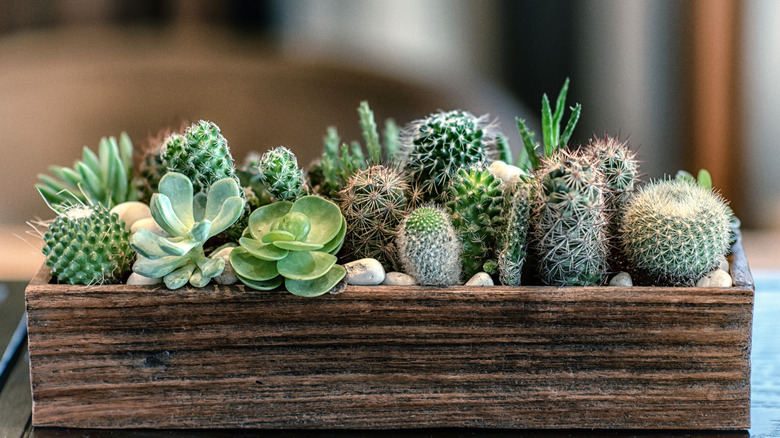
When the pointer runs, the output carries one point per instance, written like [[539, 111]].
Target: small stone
[[131, 212], [716, 278], [507, 173], [365, 272], [150, 225], [398, 279], [723, 263], [139, 280], [228, 275], [480, 279], [621, 279]]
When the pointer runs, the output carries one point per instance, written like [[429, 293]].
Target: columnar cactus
[[428, 248], [569, 233], [373, 204], [620, 168], [87, 245], [514, 241], [476, 205], [435, 148], [674, 231]]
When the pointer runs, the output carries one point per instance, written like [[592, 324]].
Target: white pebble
[[365, 272], [140, 280], [150, 225], [507, 173], [622, 279], [723, 263], [480, 279], [228, 275], [398, 279], [716, 278], [131, 212]]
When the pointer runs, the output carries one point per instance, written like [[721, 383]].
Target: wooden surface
[[391, 357]]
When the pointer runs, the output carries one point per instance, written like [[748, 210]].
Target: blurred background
[[689, 84]]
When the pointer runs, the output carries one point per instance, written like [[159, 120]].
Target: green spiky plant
[[104, 178], [340, 160], [294, 244], [373, 204], [190, 219], [428, 248], [435, 148], [530, 158], [150, 167], [704, 179], [87, 245], [569, 232], [514, 240], [277, 173], [476, 205], [674, 231]]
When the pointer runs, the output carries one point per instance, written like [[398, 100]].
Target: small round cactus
[[428, 248], [88, 245], [373, 204], [278, 171], [438, 146], [674, 231]]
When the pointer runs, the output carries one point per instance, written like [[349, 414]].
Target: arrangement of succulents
[[436, 203]]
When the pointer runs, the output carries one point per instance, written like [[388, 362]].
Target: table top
[[16, 399]]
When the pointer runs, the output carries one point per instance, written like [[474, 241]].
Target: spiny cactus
[[373, 204], [87, 245], [704, 179], [530, 158], [437, 147], [514, 240], [674, 231], [151, 167], [569, 232], [428, 248], [277, 172], [476, 205], [201, 154], [105, 178]]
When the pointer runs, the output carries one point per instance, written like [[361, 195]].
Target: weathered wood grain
[[392, 357]]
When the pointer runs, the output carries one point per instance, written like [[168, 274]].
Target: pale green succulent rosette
[[190, 220], [292, 243]]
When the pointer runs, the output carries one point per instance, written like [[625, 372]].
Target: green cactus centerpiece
[[514, 242], [105, 178], [569, 232], [476, 205], [87, 245], [190, 220], [435, 148], [429, 249], [675, 231], [294, 244], [373, 204]]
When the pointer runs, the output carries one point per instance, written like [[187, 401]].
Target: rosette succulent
[[189, 220], [292, 243]]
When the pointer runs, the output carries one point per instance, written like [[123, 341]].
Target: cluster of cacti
[[88, 245], [373, 203], [675, 230], [105, 178], [428, 248], [514, 240], [476, 206]]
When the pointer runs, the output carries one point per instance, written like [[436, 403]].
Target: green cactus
[[105, 178], [476, 205], [87, 245], [190, 219], [373, 204], [674, 231], [704, 179], [437, 147], [569, 232], [514, 241], [294, 243], [277, 172], [201, 154], [151, 167], [530, 158], [428, 248]]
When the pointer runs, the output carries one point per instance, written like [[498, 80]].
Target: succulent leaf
[[317, 286], [251, 267], [177, 188], [324, 216], [305, 265], [263, 251]]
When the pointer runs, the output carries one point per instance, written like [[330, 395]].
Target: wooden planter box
[[392, 357]]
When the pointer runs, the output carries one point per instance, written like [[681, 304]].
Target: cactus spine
[[675, 230], [514, 245], [428, 248], [476, 205], [373, 204], [87, 245], [569, 230]]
